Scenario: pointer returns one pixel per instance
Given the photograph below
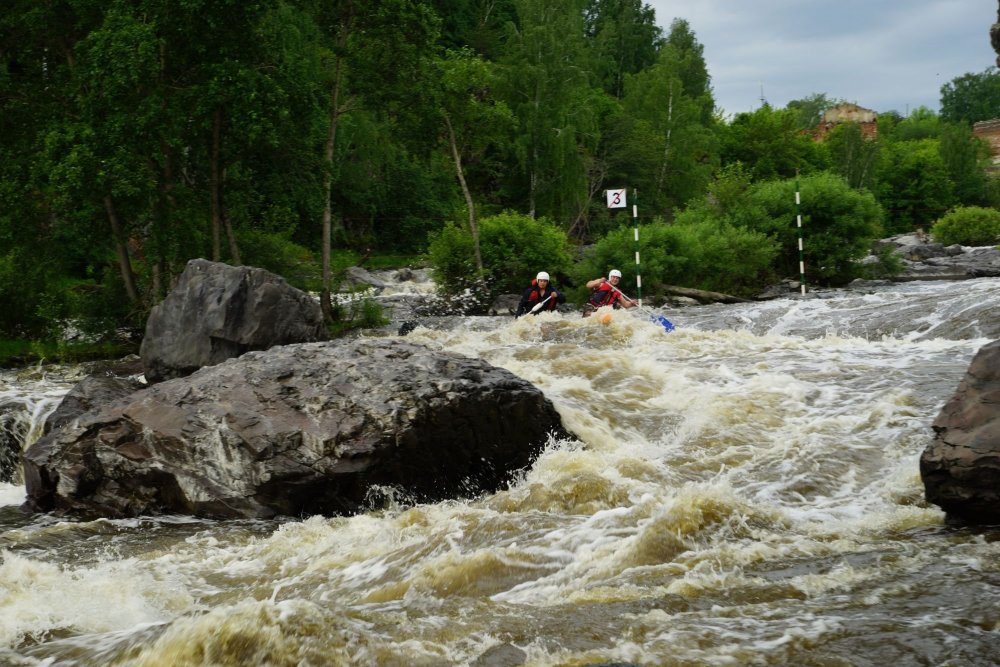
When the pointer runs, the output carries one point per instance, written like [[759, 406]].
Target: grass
[[16, 353]]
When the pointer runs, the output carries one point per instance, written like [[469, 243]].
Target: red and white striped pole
[[798, 218]]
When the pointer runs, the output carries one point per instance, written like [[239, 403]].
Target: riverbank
[[20, 353]]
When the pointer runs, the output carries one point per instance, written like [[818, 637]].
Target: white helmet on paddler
[[542, 275]]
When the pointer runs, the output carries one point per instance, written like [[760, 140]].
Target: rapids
[[744, 490]]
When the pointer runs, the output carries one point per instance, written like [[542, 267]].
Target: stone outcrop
[[92, 392], [961, 468], [296, 430], [217, 312], [923, 260]]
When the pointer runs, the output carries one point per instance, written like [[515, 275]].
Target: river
[[744, 491]]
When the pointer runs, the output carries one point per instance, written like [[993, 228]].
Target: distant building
[[847, 113], [989, 131]]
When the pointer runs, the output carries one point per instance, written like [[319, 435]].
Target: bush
[[968, 225], [277, 253], [696, 251], [514, 248], [839, 225]]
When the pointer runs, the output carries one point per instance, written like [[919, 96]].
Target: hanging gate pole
[[798, 217], [638, 274]]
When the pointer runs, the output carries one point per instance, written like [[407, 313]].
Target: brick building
[[847, 113], [989, 131]]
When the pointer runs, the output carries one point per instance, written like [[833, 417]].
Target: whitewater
[[743, 490]]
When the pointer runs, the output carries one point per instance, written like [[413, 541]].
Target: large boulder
[[218, 311], [294, 430], [961, 467], [92, 392]]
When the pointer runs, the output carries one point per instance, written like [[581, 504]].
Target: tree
[[971, 98], [547, 87], [839, 224], [376, 55], [473, 120], [668, 149], [964, 158], [768, 142], [624, 39], [809, 110], [852, 155], [913, 185]]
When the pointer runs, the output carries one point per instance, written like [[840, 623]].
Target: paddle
[[538, 306], [667, 325]]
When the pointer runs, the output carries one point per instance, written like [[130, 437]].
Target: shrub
[[276, 252], [968, 225], [839, 225], [696, 251], [514, 248]]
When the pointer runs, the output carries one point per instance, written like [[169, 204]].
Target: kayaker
[[605, 292], [540, 296]]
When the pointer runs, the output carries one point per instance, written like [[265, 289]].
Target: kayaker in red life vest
[[540, 296], [605, 293]]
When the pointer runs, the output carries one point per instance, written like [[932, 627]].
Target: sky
[[885, 55]]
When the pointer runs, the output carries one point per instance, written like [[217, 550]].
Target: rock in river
[[961, 468], [298, 429], [218, 311]]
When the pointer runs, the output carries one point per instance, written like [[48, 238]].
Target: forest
[[476, 136]]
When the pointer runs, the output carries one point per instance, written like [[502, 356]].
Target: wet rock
[[361, 276], [924, 260], [296, 430], [217, 312], [91, 393], [505, 304], [961, 467], [501, 655]]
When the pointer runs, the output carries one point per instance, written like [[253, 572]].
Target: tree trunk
[[459, 172], [666, 148], [215, 186], [124, 263], [328, 150], [219, 218], [703, 296]]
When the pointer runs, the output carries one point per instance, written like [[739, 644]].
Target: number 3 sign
[[616, 198]]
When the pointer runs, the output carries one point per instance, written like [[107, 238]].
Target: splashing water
[[743, 490]]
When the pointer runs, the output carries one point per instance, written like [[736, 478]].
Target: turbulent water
[[744, 491]]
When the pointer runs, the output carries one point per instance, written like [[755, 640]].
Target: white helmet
[[542, 276], [615, 273]]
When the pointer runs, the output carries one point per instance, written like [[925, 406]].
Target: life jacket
[[537, 295], [601, 297]]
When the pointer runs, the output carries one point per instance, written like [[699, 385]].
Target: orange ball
[[605, 318]]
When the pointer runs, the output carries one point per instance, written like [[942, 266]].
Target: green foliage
[[514, 248], [913, 185], [358, 314], [922, 123], [971, 98], [670, 142], [770, 144], [852, 155], [275, 252], [969, 226], [887, 264], [698, 250], [809, 110], [21, 352], [838, 225], [965, 158], [623, 38]]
